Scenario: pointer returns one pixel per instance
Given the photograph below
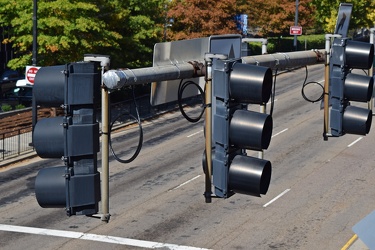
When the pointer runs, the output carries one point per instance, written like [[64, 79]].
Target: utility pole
[[35, 33], [296, 24]]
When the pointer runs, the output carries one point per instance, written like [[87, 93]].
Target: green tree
[[67, 29], [195, 18], [141, 27], [276, 16], [363, 14]]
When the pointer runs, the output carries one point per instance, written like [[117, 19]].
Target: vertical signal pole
[[104, 63], [326, 87], [34, 59], [371, 70], [208, 123], [105, 153]]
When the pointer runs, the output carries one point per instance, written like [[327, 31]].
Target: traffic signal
[[73, 137], [236, 129], [347, 87]]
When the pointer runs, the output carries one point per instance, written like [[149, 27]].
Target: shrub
[[6, 107], [285, 44], [20, 106]]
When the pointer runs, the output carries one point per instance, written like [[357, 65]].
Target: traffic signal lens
[[48, 137], [249, 175], [359, 55], [49, 87], [50, 189], [250, 84], [358, 88], [250, 130], [357, 120]]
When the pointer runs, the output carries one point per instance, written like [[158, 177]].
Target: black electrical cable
[[305, 83], [181, 88], [140, 142], [273, 94]]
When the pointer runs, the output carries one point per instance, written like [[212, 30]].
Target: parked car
[[10, 75], [18, 95], [8, 80]]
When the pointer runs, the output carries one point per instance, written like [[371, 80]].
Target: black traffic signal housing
[[74, 137], [236, 129], [347, 87]]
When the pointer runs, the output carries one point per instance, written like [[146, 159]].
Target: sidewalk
[[17, 159]]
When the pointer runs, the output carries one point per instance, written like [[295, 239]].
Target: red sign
[[30, 74], [295, 30]]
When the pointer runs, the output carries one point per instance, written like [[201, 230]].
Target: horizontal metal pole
[[286, 60], [115, 79]]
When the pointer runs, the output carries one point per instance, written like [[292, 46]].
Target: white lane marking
[[186, 182], [277, 197], [93, 237], [282, 131], [200, 131], [354, 142], [269, 102]]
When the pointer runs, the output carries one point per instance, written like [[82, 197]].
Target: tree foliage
[[128, 29], [363, 15], [197, 18], [276, 16], [68, 29]]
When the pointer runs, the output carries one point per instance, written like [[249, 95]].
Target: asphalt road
[[319, 189]]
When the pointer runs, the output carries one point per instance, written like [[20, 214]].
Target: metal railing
[[15, 143]]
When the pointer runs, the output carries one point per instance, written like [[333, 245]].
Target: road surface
[[319, 189]]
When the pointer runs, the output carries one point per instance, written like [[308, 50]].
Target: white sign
[[343, 19], [229, 45]]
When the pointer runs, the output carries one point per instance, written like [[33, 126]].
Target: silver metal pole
[[115, 79], [264, 42], [286, 60]]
